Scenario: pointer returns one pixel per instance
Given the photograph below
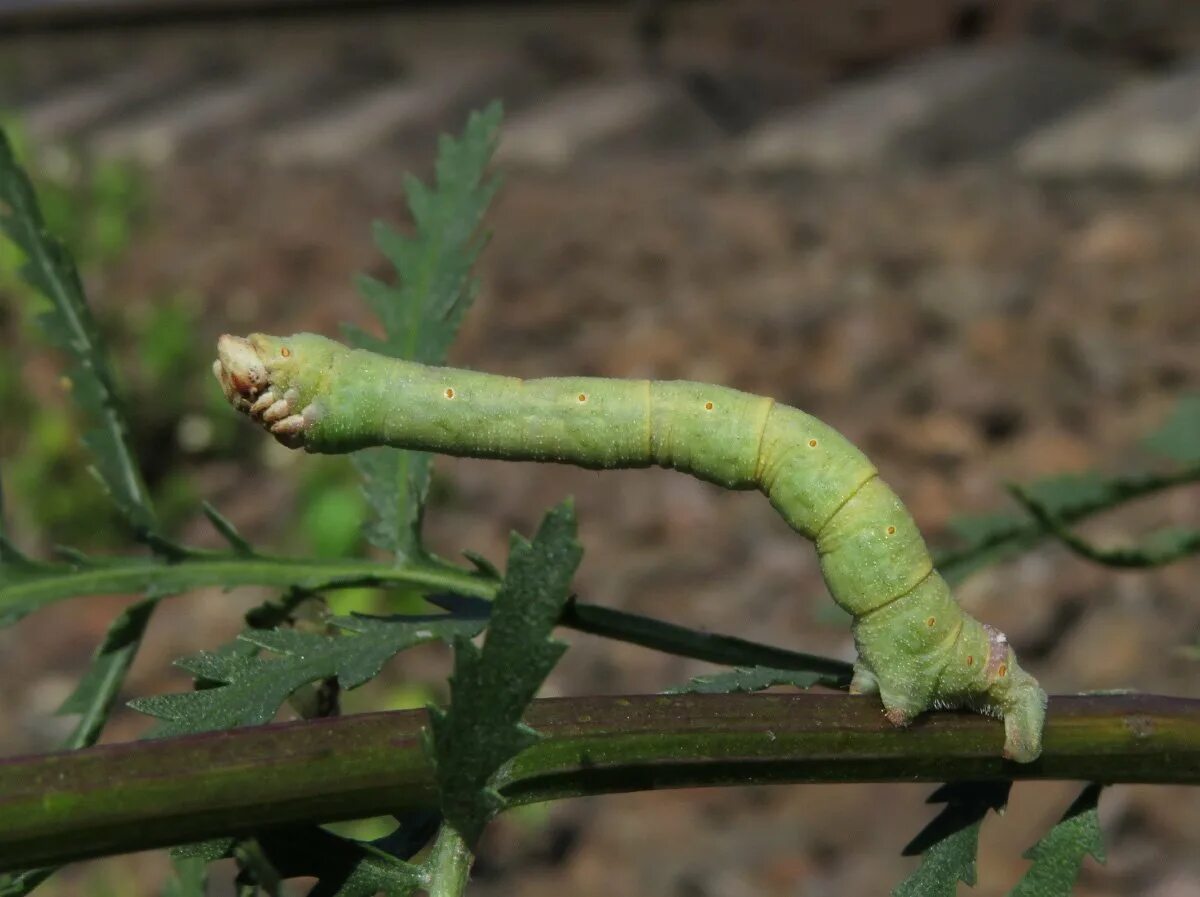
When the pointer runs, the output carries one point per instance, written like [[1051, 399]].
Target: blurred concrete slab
[[159, 134], [950, 105], [71, 111], [575, 120], [383, 112], [1145, 131]]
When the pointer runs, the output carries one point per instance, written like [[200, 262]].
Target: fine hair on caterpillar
[[917, 649]]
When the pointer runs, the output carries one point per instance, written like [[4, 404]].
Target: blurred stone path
[[580, 87]]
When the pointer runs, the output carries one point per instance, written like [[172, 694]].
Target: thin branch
[[48, 585], [117, 798], [1165, 547], [956, 564]]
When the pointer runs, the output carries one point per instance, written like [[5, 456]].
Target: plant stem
[[49, 584], [712, 647], [449, 864], [131, 575], [124, 797]]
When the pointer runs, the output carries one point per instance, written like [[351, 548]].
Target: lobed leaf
[[749, 679], [189, 877], [1059, 855], [343, 867], [950, 842], [68, 324], [492, 686], [1179, 438], [421, 313], [96, 693], [247, 689]]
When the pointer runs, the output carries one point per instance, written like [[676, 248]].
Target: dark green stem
[[47, 585], [712, 647], [118, 798]]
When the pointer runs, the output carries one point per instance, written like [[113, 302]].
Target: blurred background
[[964, 233]]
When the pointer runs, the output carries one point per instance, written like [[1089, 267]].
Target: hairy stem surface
[[117, 798]]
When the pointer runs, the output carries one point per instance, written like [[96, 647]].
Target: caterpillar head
[[274, 380]]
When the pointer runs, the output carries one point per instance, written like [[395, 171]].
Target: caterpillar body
[[917, 648]]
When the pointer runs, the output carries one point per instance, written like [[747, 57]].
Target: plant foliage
[[421, 313], [949, 843], [1059, 855], [68, 324], [246, 689], [492, 686]]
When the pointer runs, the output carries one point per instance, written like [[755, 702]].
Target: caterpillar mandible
[[917, 648]]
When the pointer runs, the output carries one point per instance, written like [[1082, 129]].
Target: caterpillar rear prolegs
[[917, 648]]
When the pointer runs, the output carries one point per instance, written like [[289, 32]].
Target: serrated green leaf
[[421, 313], [347, 867], [482, 565], [96, 693], [249, 689], [950, 842], [1065, 494], [189, 877], [1179, 438], [18, 884], [492, 686], [68, 324], [1059, 855], [752, 679], [396, 486], [343, 867]]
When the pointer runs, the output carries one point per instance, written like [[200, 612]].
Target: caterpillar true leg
[[917, 648]]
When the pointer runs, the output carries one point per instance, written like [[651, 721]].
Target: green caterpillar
[[917, 648]]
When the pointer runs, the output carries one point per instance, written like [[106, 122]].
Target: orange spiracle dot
[[812, 443], [970, 660], [891, 530], [285, 352], [1002, 670], [449, 392], [708, 406], [582, 397], [931, 622]]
